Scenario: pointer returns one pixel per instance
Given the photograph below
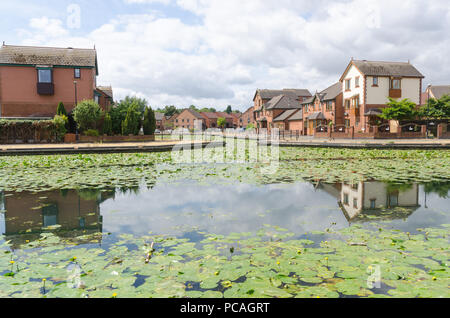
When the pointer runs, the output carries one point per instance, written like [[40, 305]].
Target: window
[[375, 81], [357, 81], [45, 76], [355, 203], [357, 102], [347, 104], [347, 84], [395, 83], [77, 73], [187, 120], [50, 215], [97, 99], [373, 203], [347, 123], [346, 198], [329, 106], [393, 199]]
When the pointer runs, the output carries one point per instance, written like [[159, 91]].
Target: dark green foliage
[[132, 122], [92, 133], [60, 122], [107, 125], [87, 114], [229, 109], [399, 110], [119, 112], [149, 124], [61, 111], [221, 122], [437, 108]]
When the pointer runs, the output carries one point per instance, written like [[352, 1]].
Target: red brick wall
[[19, 97], [185, 119]]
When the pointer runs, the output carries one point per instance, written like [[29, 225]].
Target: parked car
[[157, 131]]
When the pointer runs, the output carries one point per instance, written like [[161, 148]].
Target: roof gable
[[379, 68]]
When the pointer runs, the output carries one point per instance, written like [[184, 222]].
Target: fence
[[408, 131], [13, 132]]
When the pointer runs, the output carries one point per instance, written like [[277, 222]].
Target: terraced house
[[269, 104], [323, 108], [367, 86], [33, 80]]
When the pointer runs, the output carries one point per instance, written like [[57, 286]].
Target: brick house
[[282, 122], [322, 108], [246, 118], [269, 104], [211, 119], [33, 80], [159, 117], [103, 95], [435, 91], [169, 121], [367, 85], [187, 119]]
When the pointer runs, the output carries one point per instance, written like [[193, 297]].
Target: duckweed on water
[[263, 264], [40, 173]]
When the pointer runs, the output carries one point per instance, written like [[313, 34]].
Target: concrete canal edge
[[92, 149], [392, 146]]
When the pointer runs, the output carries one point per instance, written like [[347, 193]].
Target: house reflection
[[363, 201], [67, 213]]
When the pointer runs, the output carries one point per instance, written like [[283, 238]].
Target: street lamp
[[428, 109], [76, 102]]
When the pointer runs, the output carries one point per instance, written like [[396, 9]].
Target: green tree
[[149, 124], [60, 122], [87, 114], [61, 110], [194, 108], [437, 108], [399, 110], [107, 125], [132, 122], [119, 111], [221, 122], [229, 109], [170, 110]]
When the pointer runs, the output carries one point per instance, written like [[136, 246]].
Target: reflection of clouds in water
[[221, 209], [174, 209]]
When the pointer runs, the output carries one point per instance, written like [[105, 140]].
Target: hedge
[[12, 131]]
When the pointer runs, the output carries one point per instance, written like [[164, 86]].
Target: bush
[[132, 123], [107, 125], [87, 114], [61, 110], [119, 111], [60, 122], [91, 133], [149, 123], [25, 130]]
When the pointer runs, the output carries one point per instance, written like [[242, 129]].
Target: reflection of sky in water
[[222, 209]]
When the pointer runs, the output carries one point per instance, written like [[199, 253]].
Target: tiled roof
[[159, 116], [374, 68], [316, 116], [331, 92], [107, 90], [271, 93], [286, 114], [283, 102], [439, 91], [297, 116], [32, 55], [193, 112]]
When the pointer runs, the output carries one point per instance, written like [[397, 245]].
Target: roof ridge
[[48, 47]]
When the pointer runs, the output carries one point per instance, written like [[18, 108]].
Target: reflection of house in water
[[377, 199], [67, 213]]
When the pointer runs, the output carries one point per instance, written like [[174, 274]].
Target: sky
[[214, 53]]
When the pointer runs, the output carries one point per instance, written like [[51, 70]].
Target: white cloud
[[239, 46]]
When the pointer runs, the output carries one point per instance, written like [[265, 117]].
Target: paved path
[[125, 147]]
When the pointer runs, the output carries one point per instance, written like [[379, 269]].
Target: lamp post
[[76, 102], [428, 109]]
